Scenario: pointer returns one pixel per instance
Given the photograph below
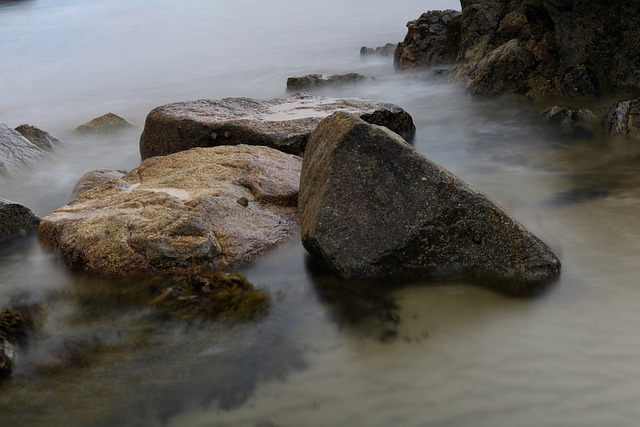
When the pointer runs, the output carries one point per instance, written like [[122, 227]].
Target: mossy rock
[[217, 296]]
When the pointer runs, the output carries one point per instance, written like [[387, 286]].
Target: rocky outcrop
[[196, 211], [106, 123], [533, 48], [281, 123], [371, 205], [39, 137], [581, 121], [541, 48], [15, 219], [432, 39], [318, 81], [16, 151], [386, 50], [623, 119]]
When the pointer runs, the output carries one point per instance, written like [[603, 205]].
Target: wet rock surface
[[281, 123], [432, 39], [16, 151], [370, 205], [180, 214], [15, 219]]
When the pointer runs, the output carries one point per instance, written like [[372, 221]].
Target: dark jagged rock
[[371, 205], [16, 151], [281, 123], [432, 39], [39, 137], [107, 123], [317, 81], [550, 47], [623, 119], [571, 121], [538, 48], [15, 219], [386, 50]]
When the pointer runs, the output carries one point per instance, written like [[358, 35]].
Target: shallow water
[[328, 353]]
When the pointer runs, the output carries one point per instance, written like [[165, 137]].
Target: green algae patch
[[217, 296]]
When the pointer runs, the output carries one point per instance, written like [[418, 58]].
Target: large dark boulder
[[371, 205], [547, 48], [16, 151], [432, 39], [281, 123], [15, 219]]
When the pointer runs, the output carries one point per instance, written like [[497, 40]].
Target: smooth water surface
[[329, 353]]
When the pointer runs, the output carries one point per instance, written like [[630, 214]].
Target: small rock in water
[[386, 50], [312, 81], [16, 220], [107, 123]]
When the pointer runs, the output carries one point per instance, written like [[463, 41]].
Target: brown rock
[[179, 214], [105, 124]]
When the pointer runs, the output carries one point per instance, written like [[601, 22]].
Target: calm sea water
[[328, 353]]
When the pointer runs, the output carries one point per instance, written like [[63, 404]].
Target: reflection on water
[[330, 352]]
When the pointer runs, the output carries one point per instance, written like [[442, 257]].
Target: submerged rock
[[572, 121], [371, 205], [315, 81], [281, 123], [39, 137], [217, 296], [14, 327], [15, 219], [106, 123], [180, 214], [432, 39], [16, 151], [623, 119]]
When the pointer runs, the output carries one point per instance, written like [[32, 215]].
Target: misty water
[[329, 352]]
